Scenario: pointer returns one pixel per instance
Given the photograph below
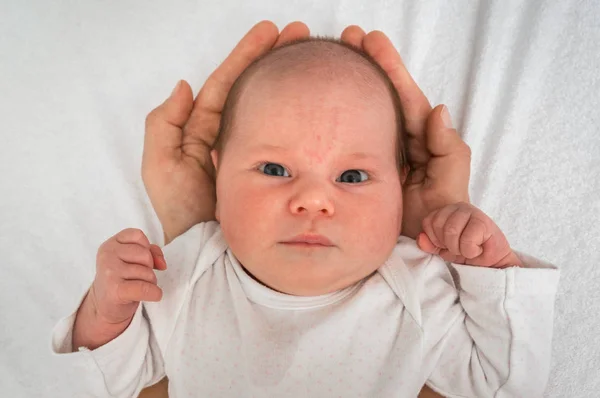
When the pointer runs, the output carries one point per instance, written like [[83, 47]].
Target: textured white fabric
[[217, 332], [78, 78]]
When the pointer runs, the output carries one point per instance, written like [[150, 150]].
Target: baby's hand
[[463, 234], [125, 276]]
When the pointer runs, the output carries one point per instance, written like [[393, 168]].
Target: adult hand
[[439, 158], [176, 167]]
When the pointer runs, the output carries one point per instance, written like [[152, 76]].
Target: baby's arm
[[117, 344], [492, 336]]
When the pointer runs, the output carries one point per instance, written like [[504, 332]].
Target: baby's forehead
[[317, 62]]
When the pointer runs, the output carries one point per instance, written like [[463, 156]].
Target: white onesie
[[219, 333]]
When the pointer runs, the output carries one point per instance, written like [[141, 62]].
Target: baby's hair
[[295, 57]]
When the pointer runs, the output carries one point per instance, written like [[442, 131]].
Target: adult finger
[[164, 124], [256, 42], [353, 35], [415, 105], [133, 235], [293, 31], [450, 164], [442, 138], [138, 290]]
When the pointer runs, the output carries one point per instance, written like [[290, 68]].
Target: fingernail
[[446, 117], [176, 88]]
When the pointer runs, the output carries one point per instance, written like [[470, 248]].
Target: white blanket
[[77, 79]]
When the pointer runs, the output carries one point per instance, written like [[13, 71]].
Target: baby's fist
[[463, 234], [125, 276]]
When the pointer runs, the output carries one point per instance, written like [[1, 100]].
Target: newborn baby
[[303, 288]]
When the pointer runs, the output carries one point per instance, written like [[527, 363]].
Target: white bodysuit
[[219, 333]]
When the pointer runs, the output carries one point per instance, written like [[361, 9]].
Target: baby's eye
[[274, 169], [353, 176]]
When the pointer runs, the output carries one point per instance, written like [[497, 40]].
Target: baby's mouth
[[308, 240]]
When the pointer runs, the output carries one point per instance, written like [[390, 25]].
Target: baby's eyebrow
[[363, 155], [270, 147], [352, 156]]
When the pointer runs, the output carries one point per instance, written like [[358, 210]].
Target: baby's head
[[311, 149]]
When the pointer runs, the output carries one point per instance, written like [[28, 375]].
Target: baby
[[303, 288]]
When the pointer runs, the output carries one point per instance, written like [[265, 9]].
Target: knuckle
[[451, 229], [145, 288]]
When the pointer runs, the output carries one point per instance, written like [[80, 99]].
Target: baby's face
[[310, 163]]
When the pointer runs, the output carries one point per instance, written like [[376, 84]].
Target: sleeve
[[495, 338], [135, 359]]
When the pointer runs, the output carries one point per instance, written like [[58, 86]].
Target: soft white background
[[77, 79]]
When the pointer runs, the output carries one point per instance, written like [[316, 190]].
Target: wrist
[[91, 330]]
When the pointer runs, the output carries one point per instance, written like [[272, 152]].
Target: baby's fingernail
[[446, 117], [176, 88]]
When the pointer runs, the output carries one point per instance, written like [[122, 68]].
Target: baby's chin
[[307, 278]]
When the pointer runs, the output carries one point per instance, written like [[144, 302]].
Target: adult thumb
[[442, 138], [177, 108], [164, 124], [449, 169]]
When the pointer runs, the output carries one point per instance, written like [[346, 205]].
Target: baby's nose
[[312, 199]]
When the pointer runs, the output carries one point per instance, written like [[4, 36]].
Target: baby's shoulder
[[410, 272], [410, 262], [194, 251]]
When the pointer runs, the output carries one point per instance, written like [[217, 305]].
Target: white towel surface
[[77, 79]]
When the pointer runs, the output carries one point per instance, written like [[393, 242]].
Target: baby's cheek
[[384, 226]]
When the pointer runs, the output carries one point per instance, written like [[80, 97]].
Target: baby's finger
[[439, 221], [135, 254], [427, 225], [472, 238], [451, 258], [137, 272], [137, 290], [426, 245], [456, 223], [133, 235], [159, 258]]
